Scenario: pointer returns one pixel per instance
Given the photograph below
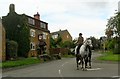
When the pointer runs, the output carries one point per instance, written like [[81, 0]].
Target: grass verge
[[68, 56], [21, 62], [109, 56]]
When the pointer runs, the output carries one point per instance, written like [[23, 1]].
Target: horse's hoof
[[89, 67], [85, 69], [77, 68], [82, 69]]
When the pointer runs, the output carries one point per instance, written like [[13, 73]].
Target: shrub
[[11, 49]]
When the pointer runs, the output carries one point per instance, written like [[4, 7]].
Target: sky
[[88, 17]]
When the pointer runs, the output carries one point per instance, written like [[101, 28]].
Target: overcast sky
[[86, 16]]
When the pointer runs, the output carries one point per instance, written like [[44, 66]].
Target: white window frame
[[32, 32]]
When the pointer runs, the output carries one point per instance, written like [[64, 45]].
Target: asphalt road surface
[[66, 67]]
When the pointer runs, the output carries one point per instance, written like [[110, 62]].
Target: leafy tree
[[68, 44], [17, 30], [59, 40], [113, 29], [95, 43], [52, 43]]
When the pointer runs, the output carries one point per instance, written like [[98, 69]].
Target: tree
[[52, 43], [113, 26], [95, 43], [113, 29], [17, 29]]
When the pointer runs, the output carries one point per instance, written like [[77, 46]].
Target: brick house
[[36, 26], [2, 42], [64, 34]]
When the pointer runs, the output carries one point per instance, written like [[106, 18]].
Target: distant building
[[64, 34], [36, 26], [2, 42]]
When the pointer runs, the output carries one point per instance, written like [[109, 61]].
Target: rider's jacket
[[80, 40]]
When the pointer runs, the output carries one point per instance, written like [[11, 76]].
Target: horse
[[84, 55]]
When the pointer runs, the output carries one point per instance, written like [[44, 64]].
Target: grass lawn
[[21, 62], [68, 56], [109, 56]]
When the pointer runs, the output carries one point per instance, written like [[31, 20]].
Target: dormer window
[[31, 21], [43, 25]]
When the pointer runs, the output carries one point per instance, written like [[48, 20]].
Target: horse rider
[[79, 42]]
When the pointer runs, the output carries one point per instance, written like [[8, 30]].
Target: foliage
[[95, 43], [114, 26], [54, 43], [11, 49], [24, 39], [21, 62], [111, 44], [68, 44], [109, 56], [58, 41], [17, 30]]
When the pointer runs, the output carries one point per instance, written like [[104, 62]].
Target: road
[[66, 67]]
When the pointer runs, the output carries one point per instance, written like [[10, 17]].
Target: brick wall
[[2, 42]]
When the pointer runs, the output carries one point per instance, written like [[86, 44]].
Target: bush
[[11, 49], [116, 49]]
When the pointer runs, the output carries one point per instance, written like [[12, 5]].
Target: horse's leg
[[82, 63], [90, 61], [77, 61], [86, 61]]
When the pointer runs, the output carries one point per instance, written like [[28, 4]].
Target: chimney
[[37, 16], [12, 8]]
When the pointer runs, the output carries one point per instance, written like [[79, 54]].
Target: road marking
[[64, 63], [116, 77], [60, 74], [94, 69], [59, 71]]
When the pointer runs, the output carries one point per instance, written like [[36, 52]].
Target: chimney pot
[[37, 16]]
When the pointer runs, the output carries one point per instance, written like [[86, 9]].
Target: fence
[[61, 51]]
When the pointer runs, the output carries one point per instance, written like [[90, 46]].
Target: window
[[67, 36], [32, 46], [31, 21], [44, 35], [55, 36], [43, 25], [32, 32]]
